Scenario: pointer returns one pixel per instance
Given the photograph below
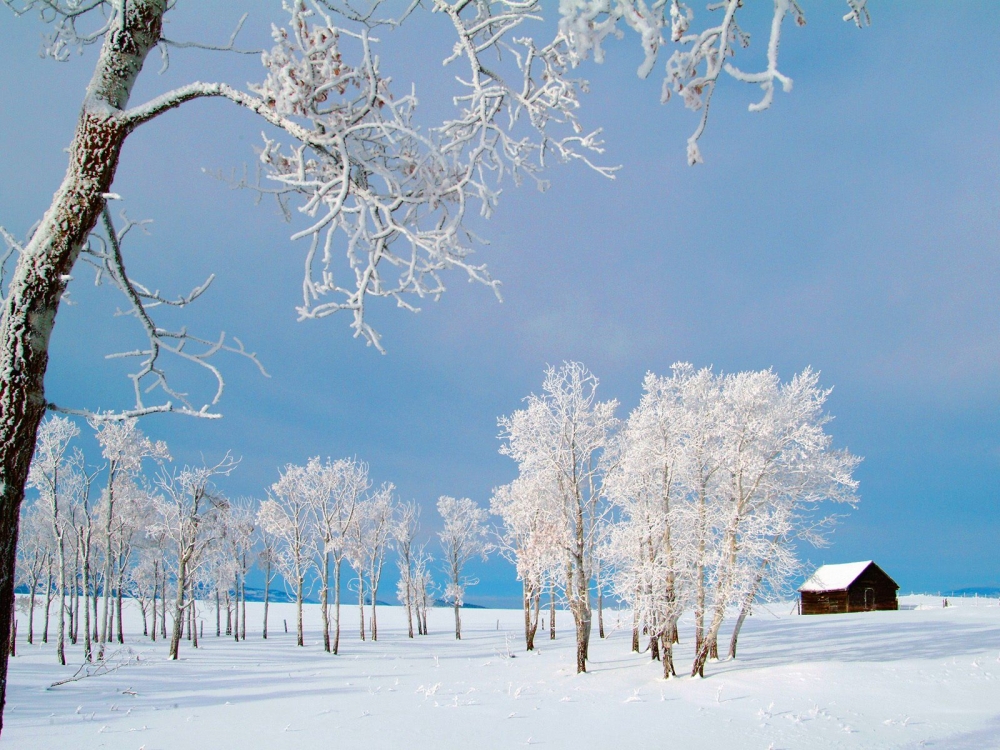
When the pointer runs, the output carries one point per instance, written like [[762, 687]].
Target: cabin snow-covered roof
[[835, 577]]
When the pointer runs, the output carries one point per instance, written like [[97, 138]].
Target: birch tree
[[394, 195]]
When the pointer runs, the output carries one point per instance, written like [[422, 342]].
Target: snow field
[[921, 677]]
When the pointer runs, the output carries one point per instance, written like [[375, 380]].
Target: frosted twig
[[112, 662]]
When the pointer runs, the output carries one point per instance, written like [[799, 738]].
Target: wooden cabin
[[848, 587]]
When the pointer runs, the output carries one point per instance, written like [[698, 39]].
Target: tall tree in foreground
[[561, 435], [362, 169], [463, 538]]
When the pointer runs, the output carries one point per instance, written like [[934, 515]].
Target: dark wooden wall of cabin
[[824, 602], [882, 596]]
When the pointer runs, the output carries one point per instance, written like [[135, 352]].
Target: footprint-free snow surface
[[925, 676]]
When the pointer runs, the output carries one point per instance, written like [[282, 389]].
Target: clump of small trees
[[168, 538], [693, 504]]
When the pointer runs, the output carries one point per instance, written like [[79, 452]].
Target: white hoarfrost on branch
[[699, 57]]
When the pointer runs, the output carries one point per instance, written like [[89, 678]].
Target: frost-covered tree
[[32, 556], [660, 484], [715, 476], [463, 538], [775, 456], [125, 447], [393, 194], [404, 535], [287, 516], [369, 535], [84, 521], [267, 558], [185, 509], [50, 475], [237, 540], [423, 586], [561, 436], [333, 490], [530, 539]]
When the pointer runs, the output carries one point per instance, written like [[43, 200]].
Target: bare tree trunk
[[73, 610], [267, 593], [48, 600], [336, 605], [61, 643], [361, 604], [529, 634], [374, 591], [31, 611], [236, 609], [300, 638], [635, 630], [175, 637], [667, 655], [243, 607], [458, 622], [744, 611], [163, 597], [218, 612], [600, 613], [94, 604], [87, 643], [324, 596], [193, 618], [118, 606], [552, 611], [582, 622]]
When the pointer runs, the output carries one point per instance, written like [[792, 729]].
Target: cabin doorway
[[869, 600]]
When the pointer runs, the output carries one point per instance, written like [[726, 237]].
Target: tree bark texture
[[44, 268]]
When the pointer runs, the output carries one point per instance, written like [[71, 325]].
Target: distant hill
[[467, 605], [281, 596]]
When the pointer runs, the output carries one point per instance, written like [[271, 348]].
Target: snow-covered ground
[[921, 677]]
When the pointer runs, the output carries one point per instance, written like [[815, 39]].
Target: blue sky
[[854, 227]]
